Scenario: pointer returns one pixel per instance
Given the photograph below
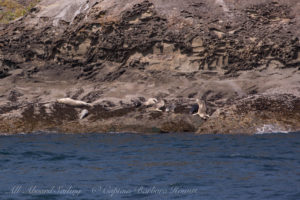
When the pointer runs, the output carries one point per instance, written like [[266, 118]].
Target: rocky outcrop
[[242, 57]]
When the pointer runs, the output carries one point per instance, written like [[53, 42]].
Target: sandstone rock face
[[242, 57]]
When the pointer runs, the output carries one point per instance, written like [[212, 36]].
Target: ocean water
[[170, 166]]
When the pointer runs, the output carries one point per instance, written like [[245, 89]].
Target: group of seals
[[71, 102], [199, 109]]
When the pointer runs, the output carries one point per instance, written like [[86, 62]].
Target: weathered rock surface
[[242, 57]]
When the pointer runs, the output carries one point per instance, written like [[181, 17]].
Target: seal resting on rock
[[151, 102], [200, 109], [83, 114], [160, 106], [72, 102]]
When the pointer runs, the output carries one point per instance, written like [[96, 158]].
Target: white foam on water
[[4, 134], [269, 128], [9, 134]]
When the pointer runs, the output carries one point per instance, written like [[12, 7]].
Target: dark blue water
[[128, 166]]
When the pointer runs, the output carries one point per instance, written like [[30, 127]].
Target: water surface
[[169, 166]]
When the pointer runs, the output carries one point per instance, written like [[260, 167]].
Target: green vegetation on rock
[[11, 9]]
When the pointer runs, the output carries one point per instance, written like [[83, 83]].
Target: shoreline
[[141, 65], [247, 116], [146, 134]]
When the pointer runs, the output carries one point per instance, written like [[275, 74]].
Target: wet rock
[[180, 126]]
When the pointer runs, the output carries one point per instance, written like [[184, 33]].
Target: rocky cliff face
[[241, 57]]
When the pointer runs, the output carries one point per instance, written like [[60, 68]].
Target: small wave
[[33, 133], [270, 128], [12, 134]]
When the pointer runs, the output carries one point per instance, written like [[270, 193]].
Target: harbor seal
[[157, 105], [200, 109], [151, 102], [83, 114], [72, 102], [160, 106]]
